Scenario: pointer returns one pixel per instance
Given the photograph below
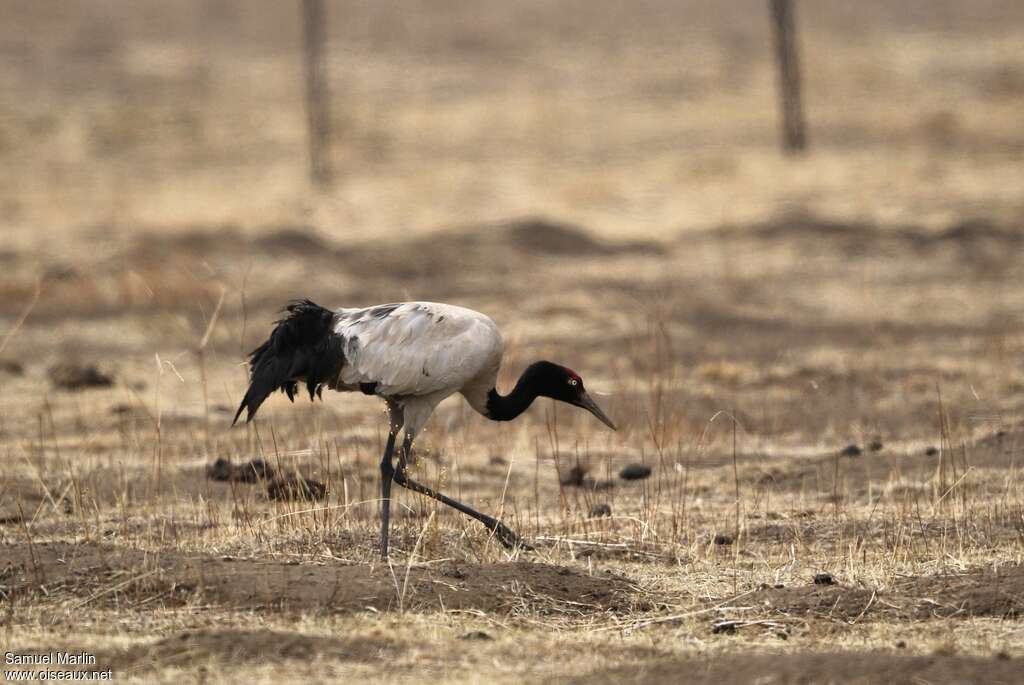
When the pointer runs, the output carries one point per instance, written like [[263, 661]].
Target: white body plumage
[[416, 354]]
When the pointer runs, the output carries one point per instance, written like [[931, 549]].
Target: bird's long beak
[[590, 405]]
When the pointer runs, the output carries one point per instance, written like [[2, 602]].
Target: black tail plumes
[[302, 347]]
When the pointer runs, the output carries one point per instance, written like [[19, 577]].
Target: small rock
[[824, 579], [635, 472], [850, 451], [779, 586], [1002, 656], [900, 644], [72, 376], [599, 510], [497, 460], [876, 445], [295, 488], [476, 635], [723, 539], [931, 451]]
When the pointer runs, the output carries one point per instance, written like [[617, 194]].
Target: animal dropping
[[635, 472]]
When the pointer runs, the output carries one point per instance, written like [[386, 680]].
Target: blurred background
[[640, 119], [589, 173]]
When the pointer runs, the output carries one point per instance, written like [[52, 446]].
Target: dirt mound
[[472, 248], [821, 601], [860, 668], [104, 573], [529, 236], [539, 236], [241, 647], [210, 241], [844, 471], [982, 592], [487, 587], [976, 239], [300, 240]]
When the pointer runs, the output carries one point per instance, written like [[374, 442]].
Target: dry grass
[[749, 317]]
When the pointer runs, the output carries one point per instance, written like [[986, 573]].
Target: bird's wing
[[417, 348]]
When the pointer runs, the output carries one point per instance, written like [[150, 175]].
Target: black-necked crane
[[412, 355]]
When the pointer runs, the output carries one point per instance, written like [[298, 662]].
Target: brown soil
[[1000, 450], [138, 578], [977, 593], [848, 668], [241, 646]]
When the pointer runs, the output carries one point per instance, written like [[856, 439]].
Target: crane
[[412, 355]]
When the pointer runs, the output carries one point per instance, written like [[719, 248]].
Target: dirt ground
[[820, 359]]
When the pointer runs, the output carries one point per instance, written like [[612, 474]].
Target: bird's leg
[[387, 472], [505, 535], [396, 417]]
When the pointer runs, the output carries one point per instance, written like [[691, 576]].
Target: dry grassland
[[604, 182]]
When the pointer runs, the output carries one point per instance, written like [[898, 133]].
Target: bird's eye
[[573, 381]]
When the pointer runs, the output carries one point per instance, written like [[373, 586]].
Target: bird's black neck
[[507, 407]]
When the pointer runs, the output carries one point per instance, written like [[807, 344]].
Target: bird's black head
[[548, 379]]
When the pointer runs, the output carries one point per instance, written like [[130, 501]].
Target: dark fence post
[[317, 106], [794, 134]]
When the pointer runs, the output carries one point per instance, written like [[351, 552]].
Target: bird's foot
[[507, 537]]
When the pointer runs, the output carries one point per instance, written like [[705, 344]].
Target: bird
[[412, 355]]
